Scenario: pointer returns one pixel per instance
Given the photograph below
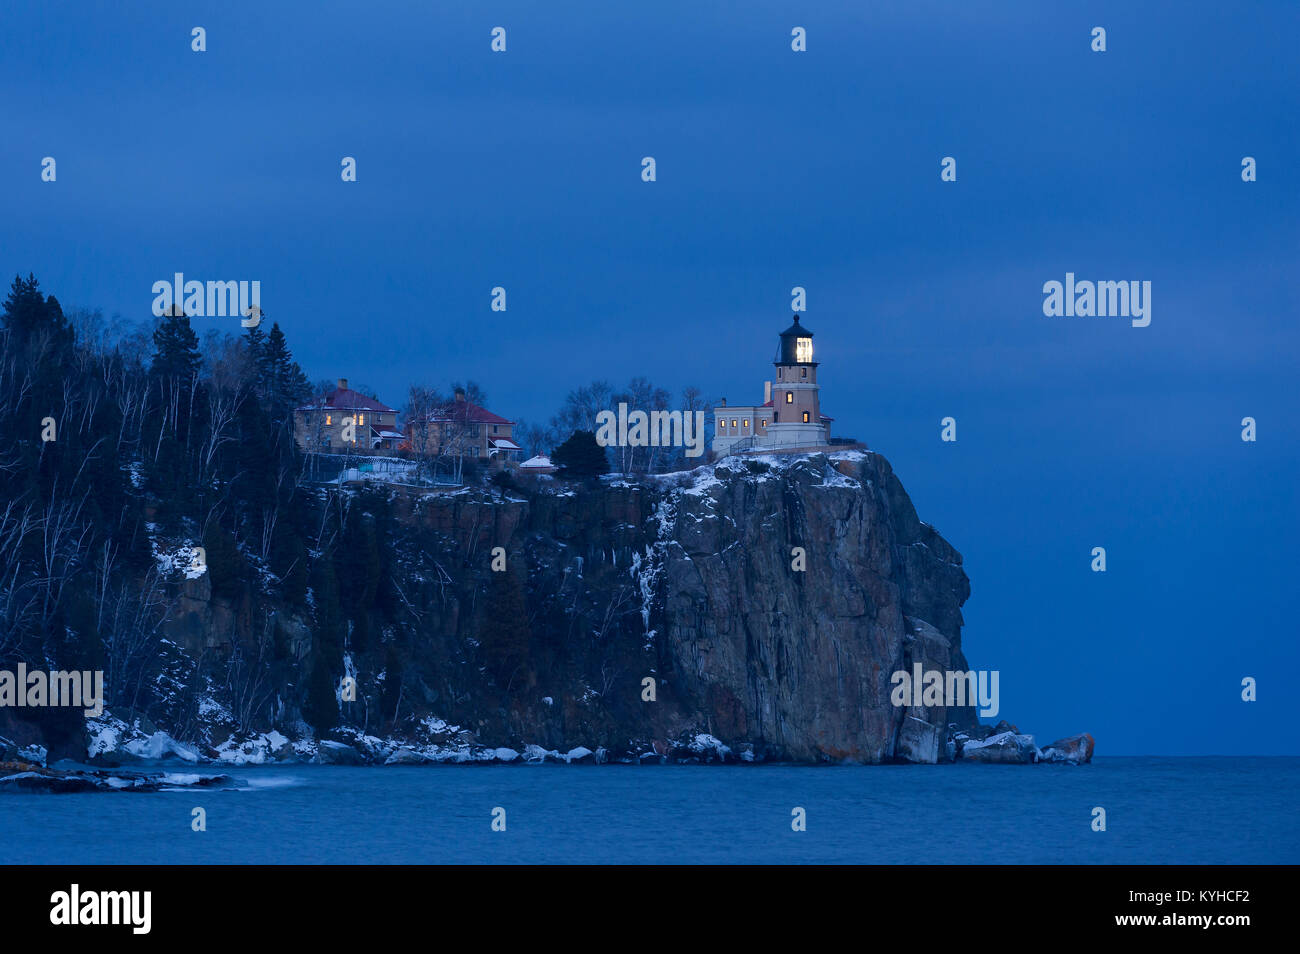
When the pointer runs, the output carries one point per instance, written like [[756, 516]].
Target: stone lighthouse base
[[791, 435]]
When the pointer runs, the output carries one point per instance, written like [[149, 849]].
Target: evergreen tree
[[176, 426], [28, 315], [47, 377], [581, 457], [283, 380], [255, 346], [60, 467], [176, 349]]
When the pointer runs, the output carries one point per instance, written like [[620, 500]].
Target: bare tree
[[131, 620], [19, 593], [535, 439], [421, 402], [581, 407], [247, 674]]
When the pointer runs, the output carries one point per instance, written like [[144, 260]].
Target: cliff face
[[752, 609], [792, 591]]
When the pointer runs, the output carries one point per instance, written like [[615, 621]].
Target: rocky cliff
[[789, 594], [754, 609]]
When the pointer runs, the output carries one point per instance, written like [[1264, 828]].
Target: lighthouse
[[790, 416]]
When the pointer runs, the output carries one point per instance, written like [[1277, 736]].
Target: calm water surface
[[1158, 810]]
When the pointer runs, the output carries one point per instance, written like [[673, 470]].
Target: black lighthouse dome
[[796, 345]]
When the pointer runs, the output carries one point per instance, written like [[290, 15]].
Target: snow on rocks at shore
[[256, 750], [1003, 748], [112, 741]]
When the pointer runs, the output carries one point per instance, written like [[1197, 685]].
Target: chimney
[[767, 391], [343, 384], [460, 394], [724, 402]]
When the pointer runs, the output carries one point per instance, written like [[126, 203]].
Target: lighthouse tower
[[796, 404], [790, 416]]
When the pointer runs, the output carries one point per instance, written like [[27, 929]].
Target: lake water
[[1158, 810]]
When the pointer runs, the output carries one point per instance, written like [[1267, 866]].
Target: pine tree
[[255, 345], [48, 379], [284, 382], [176, 353], [581, 456], [28, 314], [24, 308], [175, 428]]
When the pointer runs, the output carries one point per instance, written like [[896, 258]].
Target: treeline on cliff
[[114, 440], [124, 447]]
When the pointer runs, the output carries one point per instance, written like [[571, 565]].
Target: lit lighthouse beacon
[[790, 417]]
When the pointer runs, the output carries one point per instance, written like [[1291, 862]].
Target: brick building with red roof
[[346, 421], [460, 427]]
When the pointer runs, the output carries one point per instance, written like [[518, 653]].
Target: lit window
[[747, 422], [803, 372], [361, 419], [722, 424], [789, 397], [803, 349], [733, 422], [762, 423], [329, 420], [805, 417]]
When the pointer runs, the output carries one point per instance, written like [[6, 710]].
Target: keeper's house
[[346, 421], [460, 428]]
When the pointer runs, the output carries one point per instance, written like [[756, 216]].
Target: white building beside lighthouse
[[790, 416]]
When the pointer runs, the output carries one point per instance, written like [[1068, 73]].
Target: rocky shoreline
[[1006, 745], [22, 770], [28, 778]]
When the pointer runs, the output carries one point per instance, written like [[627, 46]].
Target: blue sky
[[775, 169]]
